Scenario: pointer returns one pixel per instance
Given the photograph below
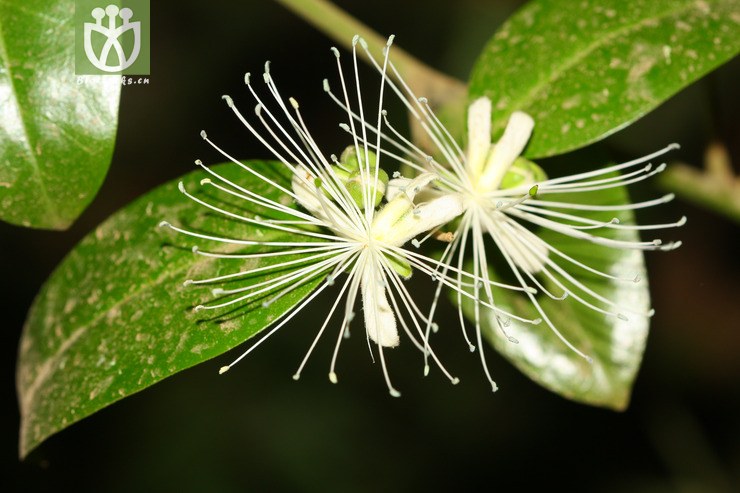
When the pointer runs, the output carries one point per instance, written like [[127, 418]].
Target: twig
[[341, 27], [716, 187]]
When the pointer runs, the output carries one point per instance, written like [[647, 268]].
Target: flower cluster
[[351, 219], [504, 192]]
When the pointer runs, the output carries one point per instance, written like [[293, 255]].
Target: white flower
[[343, 230], [502, 192]]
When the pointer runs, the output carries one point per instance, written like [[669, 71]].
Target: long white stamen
[[227, 277], [590, 207], [372, 191], [476, 305], [353, 131], [248, 220], [463, 234], [198, 251], [247, 168], [580, 285], [304, 275], [273, 267], [612, 224], [585, 185], [599, 240], [450, 138], [492, 230], [351, 297], [287, 317], [251, 196], [607, 183], [411, 307], [346, 283], [165, 224], [412, 103], [616, 167], [364, 163]]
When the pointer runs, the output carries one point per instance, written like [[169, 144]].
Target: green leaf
[[115, 318], [616, 346], [584, 69], [56, 136]]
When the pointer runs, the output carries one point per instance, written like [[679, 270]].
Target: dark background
[[259, 430]]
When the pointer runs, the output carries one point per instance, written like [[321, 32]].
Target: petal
[[425, 217], [400, 219], [506, 150], [305, 191], [479, 135], [413, 187], [417, 184], [395, 187], [317, 202], [380, 322], [402, 204]]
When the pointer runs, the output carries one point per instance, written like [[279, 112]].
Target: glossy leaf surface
[[584, 69], [115, 318], [56, 134]]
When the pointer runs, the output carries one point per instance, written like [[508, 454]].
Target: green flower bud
[[401, 266], [356, 188], [522, 172], [350, 175], [348, 160]]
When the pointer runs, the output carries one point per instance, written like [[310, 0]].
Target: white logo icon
[[112, 34]]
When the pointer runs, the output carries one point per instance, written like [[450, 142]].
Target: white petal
[[425, 217], [396, 186], [506, 150], [400, 219], [402, 204], [314, 200], [411, 186], [417, 184], [380, 322], [305, 191], [479, 135]]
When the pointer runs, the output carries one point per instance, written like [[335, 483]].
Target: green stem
[[342, 27], [715, 188]]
